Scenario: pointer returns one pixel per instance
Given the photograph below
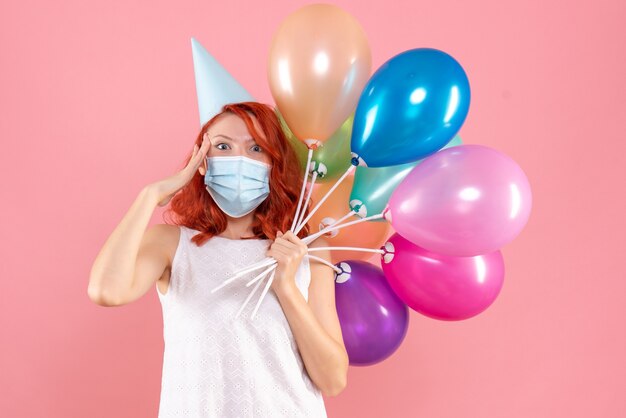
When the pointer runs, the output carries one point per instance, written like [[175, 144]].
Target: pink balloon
[[462, 201], [440, 286]]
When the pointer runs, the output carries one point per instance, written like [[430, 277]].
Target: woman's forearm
[[325, 359]]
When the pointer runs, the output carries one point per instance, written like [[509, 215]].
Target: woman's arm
[[113, 270], [133, 259], [315, 324]]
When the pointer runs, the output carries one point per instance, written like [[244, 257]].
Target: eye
[[219, 146], [257, 148]]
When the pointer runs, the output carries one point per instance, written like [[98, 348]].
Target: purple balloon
[[374, 321], [462, 201], [441, 286]]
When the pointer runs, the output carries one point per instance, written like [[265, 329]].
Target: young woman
[[233, 204]]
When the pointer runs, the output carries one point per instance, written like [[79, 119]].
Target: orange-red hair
[[194, 207]]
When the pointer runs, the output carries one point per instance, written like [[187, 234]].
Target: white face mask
[[238, 184]]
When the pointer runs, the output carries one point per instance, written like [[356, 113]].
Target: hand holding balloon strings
[[307, 240], [273, 263]]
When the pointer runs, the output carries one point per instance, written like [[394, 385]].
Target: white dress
[[215, 365]]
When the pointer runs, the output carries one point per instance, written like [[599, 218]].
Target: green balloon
[[332, 158], [373, 186]]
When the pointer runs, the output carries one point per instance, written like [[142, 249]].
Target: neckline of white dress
[[231, 239], [239, 239]]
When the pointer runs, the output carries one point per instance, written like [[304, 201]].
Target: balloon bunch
[[390, 143]]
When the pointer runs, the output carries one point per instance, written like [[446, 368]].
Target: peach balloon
[[364, 235], [319, 63]]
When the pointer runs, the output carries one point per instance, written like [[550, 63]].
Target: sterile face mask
[[238, 184]]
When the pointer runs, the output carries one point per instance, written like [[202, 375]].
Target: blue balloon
[[411, 107]]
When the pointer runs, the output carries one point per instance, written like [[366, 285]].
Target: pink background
[[97, 99]]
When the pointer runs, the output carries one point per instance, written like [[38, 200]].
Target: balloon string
[[306, 175], [260, 276], [308, 197], [367, 250], [338, 221], [258, 285], [265, 262], [312, 237], [328, 193], [321, 260], [265, 289], [256, 266], [332, 227], [343, 218]]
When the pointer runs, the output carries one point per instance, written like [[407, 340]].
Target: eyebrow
[[248, 139]]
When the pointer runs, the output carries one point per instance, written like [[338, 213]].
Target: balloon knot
[[356, 160], [386, 214], [313, 143], [388, 252]]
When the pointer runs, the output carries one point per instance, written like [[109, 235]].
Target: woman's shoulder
[[167, 236], [166, 231]]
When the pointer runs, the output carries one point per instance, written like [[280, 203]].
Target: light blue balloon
[[373, 186], [215, 87], [410, 108]]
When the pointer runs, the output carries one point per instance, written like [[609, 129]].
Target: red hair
[[194, 207]]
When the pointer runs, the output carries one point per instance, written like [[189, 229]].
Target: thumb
[[279, 234]]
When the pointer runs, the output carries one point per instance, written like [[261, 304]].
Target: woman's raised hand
[[168, 187]]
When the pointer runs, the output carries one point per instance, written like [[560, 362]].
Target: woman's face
[[229, 136]]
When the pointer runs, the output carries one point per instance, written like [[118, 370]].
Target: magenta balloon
[[462, 201], [441, 286], [373, 319]]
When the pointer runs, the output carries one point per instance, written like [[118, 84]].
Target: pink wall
[[97, 99]]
